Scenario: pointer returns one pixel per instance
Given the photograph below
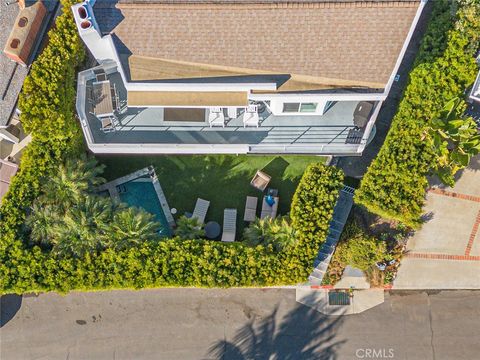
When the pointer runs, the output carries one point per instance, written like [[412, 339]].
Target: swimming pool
[[141, 193]]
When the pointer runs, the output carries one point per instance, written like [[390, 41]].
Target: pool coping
[[111, 187]]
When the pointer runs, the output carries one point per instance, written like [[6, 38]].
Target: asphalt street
[[236, 324]]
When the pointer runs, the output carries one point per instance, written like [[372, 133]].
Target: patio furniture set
[[269, 209], [216, 116], [270, 200], [103, 97], [212, 228]]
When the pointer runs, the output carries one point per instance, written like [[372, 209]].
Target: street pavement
[[236, 324]]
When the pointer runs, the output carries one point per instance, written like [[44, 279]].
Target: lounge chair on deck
[[229, 225], [250, 209], [216, 117], [250, 116], [269, 210], [200, 211], [260, 181]]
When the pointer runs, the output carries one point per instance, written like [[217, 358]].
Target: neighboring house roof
[[7, 171], [11, 75], [338, 42]]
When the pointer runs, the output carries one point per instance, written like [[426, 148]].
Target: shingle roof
[[357, 41], [11, 76]]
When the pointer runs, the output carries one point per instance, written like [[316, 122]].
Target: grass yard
[[224, 180]]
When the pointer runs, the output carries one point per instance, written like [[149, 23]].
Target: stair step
[[322, 267]]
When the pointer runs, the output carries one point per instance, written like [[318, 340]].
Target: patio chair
[[108, 124], [261, 180], [250, 116], [200, 211], [250, 209], [361, 114], [269, 210], [232, 112], [229, 225], [216, 117]]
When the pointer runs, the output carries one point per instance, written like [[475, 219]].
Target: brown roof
[[7, 171], [354, 41]]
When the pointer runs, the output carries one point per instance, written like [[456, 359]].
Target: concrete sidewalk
[[361, 300]]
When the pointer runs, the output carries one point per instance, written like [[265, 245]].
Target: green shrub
[[361, 251], [47, 97], [395, 183]]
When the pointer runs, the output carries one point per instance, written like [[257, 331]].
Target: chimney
[[21, 4]]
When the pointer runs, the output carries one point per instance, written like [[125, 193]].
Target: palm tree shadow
[[9, 306], [302, 334]]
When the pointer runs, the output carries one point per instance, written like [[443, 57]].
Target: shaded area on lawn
[[224, 180]]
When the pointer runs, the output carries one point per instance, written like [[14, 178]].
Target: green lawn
[[224, 180]]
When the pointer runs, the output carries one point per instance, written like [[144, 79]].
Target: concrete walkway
[[360, 301], [445, 252]]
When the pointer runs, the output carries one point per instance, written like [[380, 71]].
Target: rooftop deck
[[145, 128]]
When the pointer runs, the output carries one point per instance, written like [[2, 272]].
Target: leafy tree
[[131, 227], [189, 229], [455, 139]]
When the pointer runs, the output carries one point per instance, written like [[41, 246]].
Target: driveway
[[445, 252], [236, 324]]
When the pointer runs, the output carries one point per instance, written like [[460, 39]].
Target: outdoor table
[[103, 98], [212, 229]]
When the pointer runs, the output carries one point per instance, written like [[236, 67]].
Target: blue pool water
[[143, 195]]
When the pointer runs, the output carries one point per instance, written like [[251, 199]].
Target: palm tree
[[258, 232], [132, 226], [189, 228], [41, 223], [276, 232], [455, 140], [72, 181], [283, 234], [84, 227]]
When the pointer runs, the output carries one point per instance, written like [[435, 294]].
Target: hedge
[[185, 263], [395, 183], [47, 112]]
